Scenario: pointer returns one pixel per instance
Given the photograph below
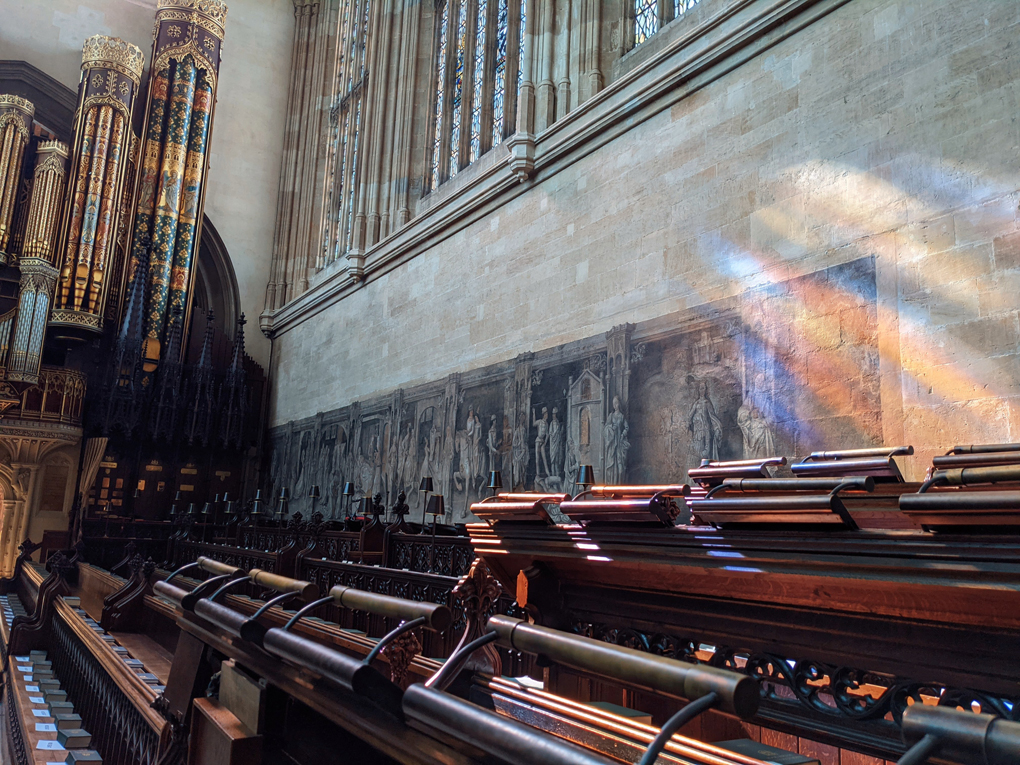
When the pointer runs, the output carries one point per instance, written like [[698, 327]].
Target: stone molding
[[737, 32]]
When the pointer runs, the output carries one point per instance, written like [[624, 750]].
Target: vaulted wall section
[[806, 225]]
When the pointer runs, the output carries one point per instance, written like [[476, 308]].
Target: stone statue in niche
[[556, 443], [541, 460], [705, 426], [615, 432]]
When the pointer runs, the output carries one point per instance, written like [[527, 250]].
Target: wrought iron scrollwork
[[810, 690]]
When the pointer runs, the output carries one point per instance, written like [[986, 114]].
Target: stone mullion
[[451, 64], [467, 94], [545, 96], [297, 278], [393, 91], [295, 116], [276, 292], [381, 104], [318, 108], [519, 61], [311, 126], [410, 71], [368, 144], [563, 60], [488, 77], [326, 233], [594, 47], [663, 12]]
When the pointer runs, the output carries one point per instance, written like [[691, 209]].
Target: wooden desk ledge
[[120, 672], [38, 726]]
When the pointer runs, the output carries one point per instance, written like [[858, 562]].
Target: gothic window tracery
[[477, 53], [346, 124], [651, 15]]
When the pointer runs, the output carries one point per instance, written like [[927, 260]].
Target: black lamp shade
[[313, 493], [207, 509], [436, 505], [177, 497], [217, 499], [258, 495], [348, 489], [191, 509], [426, 484], [226, 496], [495, 480], [586, 475], [284, 493]]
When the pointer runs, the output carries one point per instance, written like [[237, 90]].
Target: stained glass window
[[650, 15], [499, 84], [478, 81], [437, 142], [477, 50], [345, 121], [646, 19], [681, 7], [457, 91]]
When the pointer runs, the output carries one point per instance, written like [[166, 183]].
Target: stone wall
[[247, 143], [839, 212]]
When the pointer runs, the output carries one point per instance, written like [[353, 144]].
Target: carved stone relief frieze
[[738, 379]]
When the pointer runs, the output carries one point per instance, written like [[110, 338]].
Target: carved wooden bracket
[[478, 592]]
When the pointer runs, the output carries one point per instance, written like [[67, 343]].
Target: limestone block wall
[[884, 131], [247, 144]]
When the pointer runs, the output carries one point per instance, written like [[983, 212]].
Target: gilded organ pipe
[[38, 276], [47, 195], [111, 73], [15, 130], [174, 161]]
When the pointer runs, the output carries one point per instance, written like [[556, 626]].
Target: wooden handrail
[[140, 694]]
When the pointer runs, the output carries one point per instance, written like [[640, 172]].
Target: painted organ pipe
[[47, 195], [15, 129], [111, 71], [174, 160], [38, 276]]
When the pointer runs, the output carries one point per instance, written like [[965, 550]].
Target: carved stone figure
[[475, 435], [705, 426], [404, 468], [759, 436], [572, 463], [541, 460], [615, 433], [493, 442], [520, 452], [556, 443]]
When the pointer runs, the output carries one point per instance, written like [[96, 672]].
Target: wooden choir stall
[[820, 612]]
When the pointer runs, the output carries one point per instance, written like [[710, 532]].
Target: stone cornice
[[717, 44]]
